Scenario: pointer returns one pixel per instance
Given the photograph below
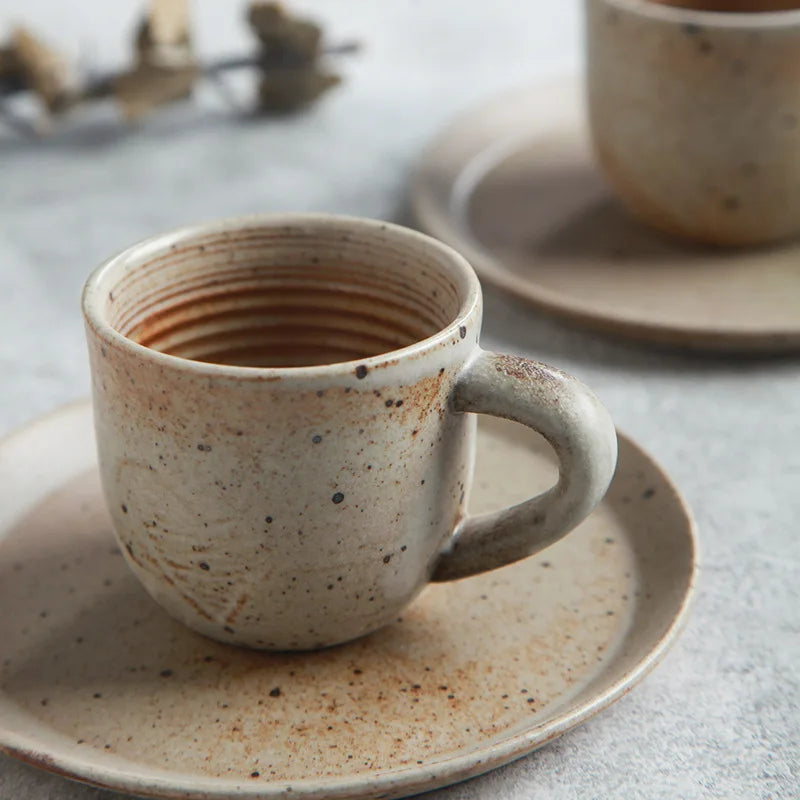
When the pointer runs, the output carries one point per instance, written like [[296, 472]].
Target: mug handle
[[572, 420]]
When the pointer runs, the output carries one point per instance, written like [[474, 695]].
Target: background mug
[[695, 114], [279, 412]]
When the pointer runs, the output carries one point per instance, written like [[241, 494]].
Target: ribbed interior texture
[[278, 298]]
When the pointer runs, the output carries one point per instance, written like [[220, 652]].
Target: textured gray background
[[720, 717]]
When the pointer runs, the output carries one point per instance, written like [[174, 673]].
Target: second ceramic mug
[[695, 115], [279, 405]]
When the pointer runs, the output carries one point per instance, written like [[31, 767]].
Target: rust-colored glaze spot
[[523, 368], [237, 609]]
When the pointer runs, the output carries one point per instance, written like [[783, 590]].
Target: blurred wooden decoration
[[28, 64], [165, 69], [292, 76], [164, 36], [291, 89], [286, 40]]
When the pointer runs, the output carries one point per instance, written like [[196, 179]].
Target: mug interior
[[271, 293]]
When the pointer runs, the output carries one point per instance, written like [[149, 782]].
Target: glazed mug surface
[[695, 114], [280, 413]]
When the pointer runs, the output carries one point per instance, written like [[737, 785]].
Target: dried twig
[[165, 69]]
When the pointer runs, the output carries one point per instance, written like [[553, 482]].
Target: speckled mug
[[695, 116], [279, 405]]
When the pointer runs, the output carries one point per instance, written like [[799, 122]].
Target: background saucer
[[513, 186]]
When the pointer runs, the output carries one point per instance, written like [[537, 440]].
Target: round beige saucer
[[97, 683], [512, 185]]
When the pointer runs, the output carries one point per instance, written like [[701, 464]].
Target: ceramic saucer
[[512, 185], [98, 684]]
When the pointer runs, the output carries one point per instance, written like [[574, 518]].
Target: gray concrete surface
[[719, 718]]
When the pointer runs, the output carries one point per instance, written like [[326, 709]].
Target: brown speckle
[[204, 448], [204, 565], [387, 559], [276, 692], [704, 47], [648, 493], [518, 367], [389, 403], [97, 695], [124, 508]]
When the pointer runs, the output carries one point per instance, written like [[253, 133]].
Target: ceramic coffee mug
[[280, 413], [695, 114]]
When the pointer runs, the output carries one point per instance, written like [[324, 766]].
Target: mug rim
[[742, 20], [95, 290]]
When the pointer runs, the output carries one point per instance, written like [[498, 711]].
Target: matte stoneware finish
[[695, 116], [99, 684], [280, 409], [512, 184]]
